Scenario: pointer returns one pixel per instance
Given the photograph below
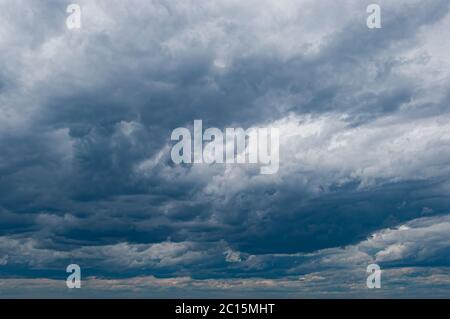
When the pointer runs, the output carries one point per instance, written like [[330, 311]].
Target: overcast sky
[[86, 175]]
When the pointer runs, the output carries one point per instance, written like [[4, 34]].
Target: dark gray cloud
[[86, 117]]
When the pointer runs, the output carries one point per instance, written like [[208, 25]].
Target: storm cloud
[[85, 123]]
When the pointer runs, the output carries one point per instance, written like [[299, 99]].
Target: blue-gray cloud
[[86, 116]]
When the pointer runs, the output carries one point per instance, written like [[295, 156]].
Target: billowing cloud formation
[[86, 117], [413, 255]]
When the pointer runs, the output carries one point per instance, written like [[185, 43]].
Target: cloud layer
[[85, 123]]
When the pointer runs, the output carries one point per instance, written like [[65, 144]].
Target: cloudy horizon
[[87, 178]]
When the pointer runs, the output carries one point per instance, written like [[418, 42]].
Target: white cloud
[[232, 256]]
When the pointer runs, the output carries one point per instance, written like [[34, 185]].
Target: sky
[[86, 175]]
